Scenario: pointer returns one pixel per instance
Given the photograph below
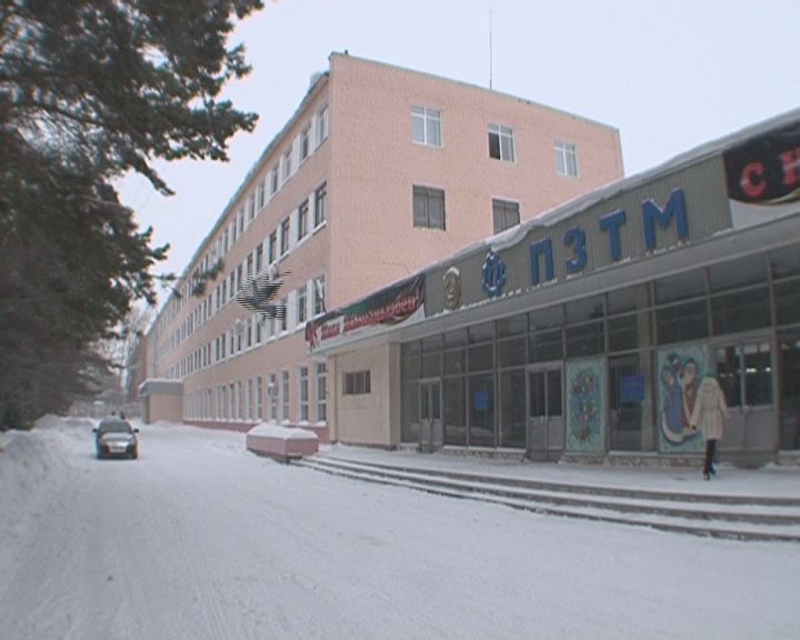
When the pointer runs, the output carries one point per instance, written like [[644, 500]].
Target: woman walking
[[710, 410]]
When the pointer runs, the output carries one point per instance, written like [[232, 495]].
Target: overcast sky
[[669, 74]]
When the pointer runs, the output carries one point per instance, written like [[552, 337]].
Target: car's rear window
[[114, 426]]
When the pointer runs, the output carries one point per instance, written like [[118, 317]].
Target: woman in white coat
[[710, 410]]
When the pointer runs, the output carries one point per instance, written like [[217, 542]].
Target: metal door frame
[[427, 425], [549, 453]]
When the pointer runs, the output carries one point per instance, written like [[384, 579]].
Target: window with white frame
[[322, 392], [262, 195], [272, 253], [272, 394], [284, 320], [287, 165], [239, 400], [305, 142], [426, 126], [259, 260], [231, 402], [501, 142], [319, 295], [250, 399], [248, 269], [566, 159], [259, 398], [428, 207], [322, 124], [302, 220], [273, 180], [240, 220], [251, 208], [284, 395], [356, 383], [259, 328], [303, 389], [302, 304], [505, 214], [320, 204], [285, 236]]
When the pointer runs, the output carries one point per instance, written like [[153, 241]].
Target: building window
[[285, 236], [261, 193], [319, 204], [250, 398], [251, 208], [566, 159], [272, 393], [322, 125], [272, 247], [302, 220], [287, 165], [322, 392], [428, 207], [505, 214], [259, 257], [259, 398], [248, 270], [501, 142], [273, 180], [284, 395], [240, 220], [303, 379], [356, 383], [302, 304], [284, 320], [305, 136], [426, 126], [319, 295]]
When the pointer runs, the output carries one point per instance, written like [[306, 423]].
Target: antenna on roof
[[490, 48]]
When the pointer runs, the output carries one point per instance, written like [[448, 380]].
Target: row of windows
[[426, 129], [265, 253], [252, 399], [254, 330], [729, 299], [264, 189], [429, 210]]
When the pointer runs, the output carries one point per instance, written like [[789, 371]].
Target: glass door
[[430, 415], [545, 413], [745, 371]]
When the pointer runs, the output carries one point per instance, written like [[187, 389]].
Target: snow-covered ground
[[201, 539]]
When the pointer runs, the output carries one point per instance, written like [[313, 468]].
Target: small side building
[[161, 400]]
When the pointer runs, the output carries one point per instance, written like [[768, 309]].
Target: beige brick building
[[380, 171]]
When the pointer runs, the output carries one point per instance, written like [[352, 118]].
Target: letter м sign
[[653, 215]]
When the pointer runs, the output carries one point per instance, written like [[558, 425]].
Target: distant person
[[122, 414], [710, 409]]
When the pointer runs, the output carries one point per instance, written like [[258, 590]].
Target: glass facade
[[504, 385]]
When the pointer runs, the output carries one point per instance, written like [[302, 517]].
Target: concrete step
[[733, 517]]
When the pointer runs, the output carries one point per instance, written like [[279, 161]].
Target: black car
[[114, 437]]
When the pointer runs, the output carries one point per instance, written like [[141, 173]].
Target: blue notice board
[[631, 388], [482, 400]]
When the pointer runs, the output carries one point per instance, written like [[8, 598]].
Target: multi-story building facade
[[379, 172], [586, 334]]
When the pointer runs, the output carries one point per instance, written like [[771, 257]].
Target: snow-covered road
[[200, 539]]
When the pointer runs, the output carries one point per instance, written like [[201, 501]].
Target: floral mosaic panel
[[586, 406]]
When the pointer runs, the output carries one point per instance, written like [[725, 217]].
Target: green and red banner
[[387, 307]]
